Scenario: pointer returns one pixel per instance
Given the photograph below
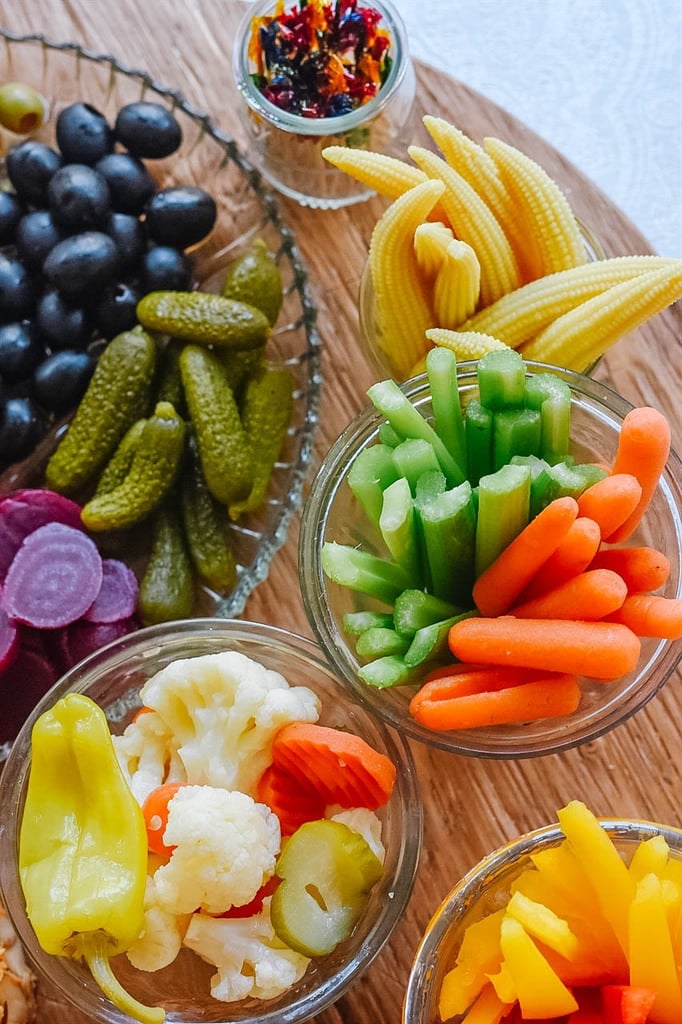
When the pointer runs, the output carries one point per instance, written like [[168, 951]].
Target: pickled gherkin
[[255, 278], [205, 525], [167, 587], [204, 318]]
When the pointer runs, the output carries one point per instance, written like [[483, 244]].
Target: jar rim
[[339, 125]]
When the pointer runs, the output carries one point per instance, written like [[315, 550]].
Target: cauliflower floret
[[147, 755], [225, 849], [223, 711], [251, 960], [364, 821], [161, 940]]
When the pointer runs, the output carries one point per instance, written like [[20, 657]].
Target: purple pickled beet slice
[[24, 511], [21, 687], [82, 638], [54, 577], [117, 598], [9, 641]]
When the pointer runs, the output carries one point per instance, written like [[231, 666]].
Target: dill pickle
[[224, 449], [118, 466], [169, 382], [255, 278], [204, 318], [167, 587], [205, 525], [153, 469], [266, 414], [240, 365], [118, 394]]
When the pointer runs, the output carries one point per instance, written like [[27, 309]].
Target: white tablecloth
[[599, 79]]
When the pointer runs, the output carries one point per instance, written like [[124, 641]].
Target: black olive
[[16, 289], [21, 426], [147, 129], [36, 234], [83, 134], [11, 212], [79, 198], [30, 167], [129, 181], [82, 263], [20, 351], [117, 309], [180, 216], [60, 323], [130, 236], [61, 379], [165, 269]]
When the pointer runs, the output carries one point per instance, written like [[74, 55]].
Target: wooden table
[[476, 804]]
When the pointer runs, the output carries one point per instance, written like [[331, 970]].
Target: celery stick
[[448, 523], [370, 474], [441, 369], [388, 436], [430, 643], [397, 524], [552, 396], [515, 432], [387, 397], [414, 457], [415, 609], [428, 486], [390, 670], [377, 642], [478, 431], [503, 511], [501, 379], [564, 480], [363, 571], [355, 623]]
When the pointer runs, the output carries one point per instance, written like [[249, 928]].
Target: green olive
[[21, 108]]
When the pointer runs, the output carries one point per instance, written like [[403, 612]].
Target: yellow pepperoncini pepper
[[82, 847]]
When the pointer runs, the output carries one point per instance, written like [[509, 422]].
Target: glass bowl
[[287, 147], [370, 329], [112, 677], [64, 73], [485, 889], [332, 513]]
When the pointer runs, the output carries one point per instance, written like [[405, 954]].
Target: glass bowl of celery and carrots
[[491, 555], [568, 922]]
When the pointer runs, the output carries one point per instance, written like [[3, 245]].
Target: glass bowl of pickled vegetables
[[237, 838], [581, 917], [455, 540]]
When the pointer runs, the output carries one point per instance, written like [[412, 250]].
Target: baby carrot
[[343, 768], [576, 551], [610, 501], [155, 811], [500, 584], [643, 449], [465, 680], [292, 803], [542, 698], [651, 615], [600, 650], [642, 568], [589, 596]]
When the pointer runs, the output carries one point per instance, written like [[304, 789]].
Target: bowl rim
[[14, 775], [331, 476], [487, 871]]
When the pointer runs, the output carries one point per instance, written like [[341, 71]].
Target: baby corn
[[465, 344], [473, 222], [577, 338], [457, 285], [542, 210], [403, 312], [431, 241], [522, 314], [385, 174]]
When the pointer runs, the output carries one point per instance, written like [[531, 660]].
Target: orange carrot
[[155, 811], [610, 501], [542, 698], [343, 768], [643, 449], [572, 556], [651, 615], [293, 803], [589, 596], [642, 568], [600, 650], [498, 587], [464, 681]]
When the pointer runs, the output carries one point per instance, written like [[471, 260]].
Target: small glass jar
[[287, 148]]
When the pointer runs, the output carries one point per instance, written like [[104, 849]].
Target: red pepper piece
[[625, 1004]]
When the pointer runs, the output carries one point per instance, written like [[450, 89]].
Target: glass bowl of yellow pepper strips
[[576, 921], [144, 806], [429, 523], [317, 74]]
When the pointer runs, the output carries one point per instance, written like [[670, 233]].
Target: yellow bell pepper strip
[[650, 856], [651, 953], [488, 1008], [542, 923], [539, 990], [478, 956], [83, 847]]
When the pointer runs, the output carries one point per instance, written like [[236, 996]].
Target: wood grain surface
[[471, 806]]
